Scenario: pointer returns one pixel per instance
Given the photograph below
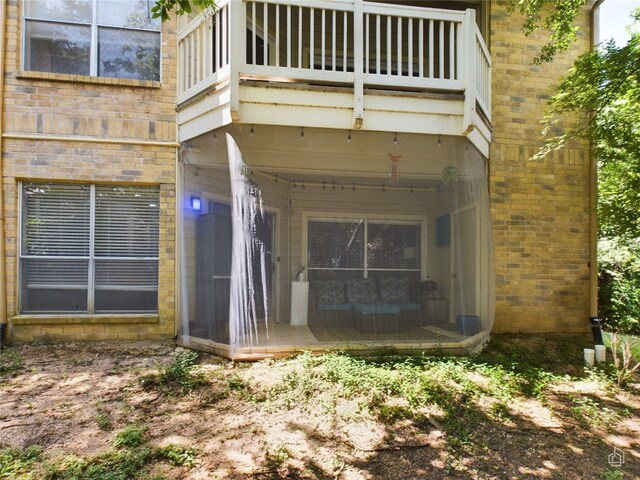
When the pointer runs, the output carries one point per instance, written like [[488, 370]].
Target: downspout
[[593, 204], [3, 269]]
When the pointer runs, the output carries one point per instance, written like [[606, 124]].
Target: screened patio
[[314, 239]]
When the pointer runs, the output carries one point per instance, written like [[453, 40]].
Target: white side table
[[299, 303]]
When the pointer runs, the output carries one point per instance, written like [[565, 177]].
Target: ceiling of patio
[[327, 154]]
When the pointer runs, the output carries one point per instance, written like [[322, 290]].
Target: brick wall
[[87, 129], [540, 209], [121, 131]]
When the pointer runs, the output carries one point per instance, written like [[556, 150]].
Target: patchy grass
[[131, 436], [524, 408], [127, 459], [104, 421], [10, 362], [17, 464], [593, 413]]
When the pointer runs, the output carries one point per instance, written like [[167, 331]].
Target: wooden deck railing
[[341, 42]]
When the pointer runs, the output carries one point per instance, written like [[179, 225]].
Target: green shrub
[[619, 284], [177, 375]]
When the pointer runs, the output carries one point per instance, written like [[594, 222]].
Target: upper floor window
[[105, 38]]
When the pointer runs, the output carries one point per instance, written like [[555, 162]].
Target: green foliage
[[113, 465], [590, 413], [613, 475], [277, 457], [177, 455], [178, 375], [16, 464], [601, 95], [10, 361], [129, 459], [104, 421], [131, 436], [396, 387], [619, 284], [556, 16], [162, 8], [625, 351]]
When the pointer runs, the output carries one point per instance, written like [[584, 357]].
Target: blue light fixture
[[196, 203]]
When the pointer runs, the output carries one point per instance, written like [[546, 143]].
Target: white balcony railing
[[339, 42], [203, 53], [483, 75]]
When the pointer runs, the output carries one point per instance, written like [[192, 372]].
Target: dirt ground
[[72, 399]]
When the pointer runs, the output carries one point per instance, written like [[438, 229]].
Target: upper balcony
[[345, 64]]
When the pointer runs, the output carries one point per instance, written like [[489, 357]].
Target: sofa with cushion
[[357, 301], [328, 306]]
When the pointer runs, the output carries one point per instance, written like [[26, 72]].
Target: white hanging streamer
[[246, 206]]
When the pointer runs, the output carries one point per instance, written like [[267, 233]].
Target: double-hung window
[[105, 38], [89, 248]]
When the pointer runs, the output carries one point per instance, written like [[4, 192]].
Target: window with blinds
[[89, 248], [393, 246], [362, 246]]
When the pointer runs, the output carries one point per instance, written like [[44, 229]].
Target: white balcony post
[[237, 49], [469, 68], [358, 74]]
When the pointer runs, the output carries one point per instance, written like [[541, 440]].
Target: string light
[[395, 139], [215, 137], [251, 132], [301, 133], [349, 137], [439, 140]]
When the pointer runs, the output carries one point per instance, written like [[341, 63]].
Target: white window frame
[[94, 45], [422, 221], [91, 258]]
